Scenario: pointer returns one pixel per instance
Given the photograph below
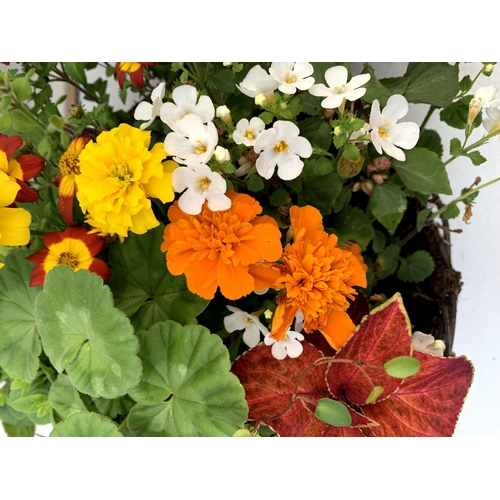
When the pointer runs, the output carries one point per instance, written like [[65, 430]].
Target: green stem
[[461, 197], [427, 116], [26, 112], [123, 425], [467, 149]]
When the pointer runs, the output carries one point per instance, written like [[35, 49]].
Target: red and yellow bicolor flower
[[69, 166], [74, 247], [21, 168], [136, 72]]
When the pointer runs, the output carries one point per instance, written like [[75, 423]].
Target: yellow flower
[[117, 175], [14, 222]]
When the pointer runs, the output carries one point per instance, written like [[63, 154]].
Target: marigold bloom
[[117, 174], [136, 71], [74, 247], [222, 249], [317, 278], [69, 166], [14, 222], [21, 168]]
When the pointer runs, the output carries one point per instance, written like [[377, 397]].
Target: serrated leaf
[[255, 183], [19, 341], [476, 157], [351, 152], [465, 83], [455, 115], [375, 89], [269, 389], [353, 225], [64, 398], [416, 267], [222, 80], [83, 334], [317, 132], [75, 71], [451, 211], [86, 425], [333, 412], [422, 217], [402, 366], [28, 404], [322, 166], [430, 401], [142, 286], [387, 261], [431, 140], [266, 117], [21, 88], [384, 334], [388, 204], [187, 388], [423, 171], [279, 198], [455, 147], [378, 242]]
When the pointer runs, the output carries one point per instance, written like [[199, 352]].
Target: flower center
[[248, 320], [339, 90], [476, 103], [382, 130], [121, 172], [249, 134], [281, 147], [290, 79], [69, 163], [200, 149], [204, 183], [68, 259]]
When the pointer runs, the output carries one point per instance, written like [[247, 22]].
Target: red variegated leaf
[[269, 385], [427, 403], [331, 431], [383, 335]]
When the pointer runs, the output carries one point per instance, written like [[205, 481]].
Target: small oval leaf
[[402, 367], [376, 392], [333, 413]]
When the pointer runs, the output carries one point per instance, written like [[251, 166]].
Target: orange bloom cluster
[[317, 277], [222, 249]]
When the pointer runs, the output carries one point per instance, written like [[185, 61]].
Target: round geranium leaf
[[86, 425], [186, 388], [83, 334], [333, 412], [402, 367]]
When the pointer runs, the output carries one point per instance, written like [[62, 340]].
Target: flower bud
[[382, 162], [488, 68], [260, 100], [221, 154], [224, 114], [76, 111], [347, 168]]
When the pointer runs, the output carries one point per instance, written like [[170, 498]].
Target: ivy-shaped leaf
[[83, 334], [187, 388], [142, 286]]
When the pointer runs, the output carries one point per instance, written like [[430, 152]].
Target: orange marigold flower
[[69, 166], [317, 278], [136, 72], [21, 168], [222, 249], [74, 247]]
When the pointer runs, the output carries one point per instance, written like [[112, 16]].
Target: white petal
[[336, 76], [280, 68], [205, 109], [287, 89], [486, 93], [305, 84], [158, 92], [375, 115], [396, 108], [421, 340], [352, 95], [303, 69], [320, 90], [181, 179], [251, 335], [257, 124], [357, 81], [300, 146], [218, 202], [235, 321], [333, 101], [191, 202], [393, 151], [144, 111], [145, 125], [266, 163], [278, 351], [267, 140], [377, 141], [294, 349], [178, 145], [289, 166], [285, 130], [184, 96], [404, 135]]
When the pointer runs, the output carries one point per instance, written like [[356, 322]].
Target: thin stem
[[427, 116], [123, 425]]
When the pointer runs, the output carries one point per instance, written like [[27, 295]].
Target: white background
[[475, 254]]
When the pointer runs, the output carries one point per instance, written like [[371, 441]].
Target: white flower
[[338, 89], [292, 76], [224, 114], [221, 154], [282, 146], [483, 98], [201, 184], [425, 343], [257, 81], [148, 111], [198, 146], [360, 133], [492, 123], [245, 167], [289, 345], [387, 133], [240, 320], [247, 132], [185, 99]]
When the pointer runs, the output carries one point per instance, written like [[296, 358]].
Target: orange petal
[[31, 165], [360, 268], [282, 320], [66, 192], [265, 275], [10, 144], [306, 222], [234, 281], [201, 277], [266, 242], [338, 328], [26, 194]]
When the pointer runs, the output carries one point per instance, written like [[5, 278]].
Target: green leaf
[[18, 430], [22, 123], [142, 286], [222, 80], [396, 85], [311, 105], [465, 83], [317, 132], [431, 140], [417, 267], [455, 147], [378, 242], [423, 171], [451, 211], [353, 225], [266, 117], [387, 261], [255, 183], [21, 88], [28, 404], [476, 157], [376, 392], [375, 89], [455, 115], [322, 166], [19, 341], [187, 388], [402, 367], [351, 152], [113, 407], [5, 120], [279, 198], [85, 335], [333, 412], [422, 217], [64, 398], [75, 71], [388, 204], [86, 425], [434, 83]]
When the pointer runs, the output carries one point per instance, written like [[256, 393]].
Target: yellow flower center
[[339, 90], [69, 163], [281, 147], [200, 149], [382, 132], [123, 175], [249, 134], [248, 320], [204, 183], [290, 79], [68, 259]]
